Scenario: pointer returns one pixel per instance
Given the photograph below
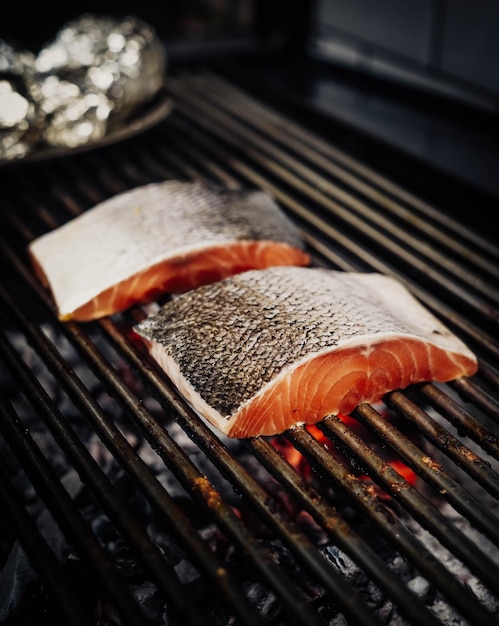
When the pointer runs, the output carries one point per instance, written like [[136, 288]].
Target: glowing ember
[[302, 466]]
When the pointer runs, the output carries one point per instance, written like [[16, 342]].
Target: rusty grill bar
[[247, 492]]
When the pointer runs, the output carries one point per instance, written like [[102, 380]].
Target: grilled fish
[[260, 352], [162, 237]]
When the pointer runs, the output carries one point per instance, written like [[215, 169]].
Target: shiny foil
[[81, 85], [19, 118]]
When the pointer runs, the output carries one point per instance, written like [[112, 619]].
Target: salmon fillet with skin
[[260, 352], [165, 237]]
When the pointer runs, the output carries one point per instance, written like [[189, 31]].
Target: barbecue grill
[[121, 506]]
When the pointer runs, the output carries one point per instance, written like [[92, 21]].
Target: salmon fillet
[[162, 237], [260, 352]]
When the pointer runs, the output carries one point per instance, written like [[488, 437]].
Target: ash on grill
[[22, 595]]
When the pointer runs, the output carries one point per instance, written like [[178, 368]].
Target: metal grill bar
[[466, 423], [485, 401], [352, 218]]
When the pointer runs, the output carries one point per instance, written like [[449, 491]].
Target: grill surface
[[103, 461]]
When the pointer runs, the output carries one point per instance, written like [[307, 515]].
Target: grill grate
[[133, 511]]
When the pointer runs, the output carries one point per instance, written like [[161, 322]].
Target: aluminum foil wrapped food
[[86, 81], [19, 118], [73, 114], [122, 59]]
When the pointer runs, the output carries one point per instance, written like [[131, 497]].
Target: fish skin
[[228, 344], [161, 237]]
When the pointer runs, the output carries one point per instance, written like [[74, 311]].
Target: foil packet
[[83, 84], [19, 118]]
